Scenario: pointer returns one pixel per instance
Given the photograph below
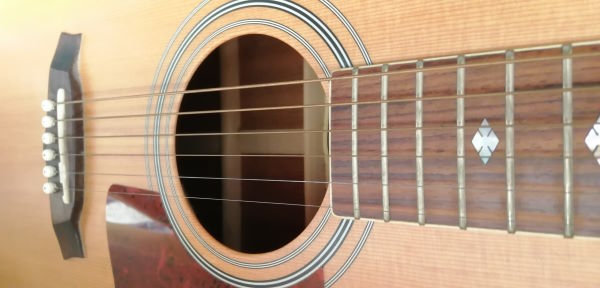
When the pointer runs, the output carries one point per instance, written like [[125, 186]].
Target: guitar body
[[125, 50]]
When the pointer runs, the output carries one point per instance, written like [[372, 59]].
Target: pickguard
[[144, 250]]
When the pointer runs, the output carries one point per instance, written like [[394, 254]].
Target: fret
[[475, 95], [567, 106], [509, 142], [354, 144], [419, 143], [460, 143], [384, 146]]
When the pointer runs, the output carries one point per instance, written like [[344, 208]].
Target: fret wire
[[566, 135], [460, 143], [567, 156], [384, 146], [589, 88], [567, 106], [354, 144], [419, 143], [509, 152], [317, 80]]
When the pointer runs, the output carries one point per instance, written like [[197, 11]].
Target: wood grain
[[122, 46], [538, 143]]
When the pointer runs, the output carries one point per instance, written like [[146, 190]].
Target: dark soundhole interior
[[242, 151]]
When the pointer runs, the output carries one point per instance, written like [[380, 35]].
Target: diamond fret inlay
[[592, 140], [485, 141]]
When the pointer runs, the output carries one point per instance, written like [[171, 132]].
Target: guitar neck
[[501, 140]]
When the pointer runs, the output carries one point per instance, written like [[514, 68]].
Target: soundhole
[[254, 183]]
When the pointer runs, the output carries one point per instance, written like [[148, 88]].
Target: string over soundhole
[[263, 175]]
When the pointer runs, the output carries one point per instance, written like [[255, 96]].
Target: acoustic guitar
[[277, 143]]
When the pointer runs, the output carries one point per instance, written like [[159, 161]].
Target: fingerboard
[[501, 140]]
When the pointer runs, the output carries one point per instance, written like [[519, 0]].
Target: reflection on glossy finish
[[144, 250]]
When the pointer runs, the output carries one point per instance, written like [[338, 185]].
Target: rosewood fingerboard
[[538, 185]]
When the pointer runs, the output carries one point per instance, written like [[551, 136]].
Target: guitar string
[[274, 180], [298, 155], [177, 196], [211, 178], [304, 106], [241, 179], [333, 131], [587, 88], [209, 198], [270, 180], [378, 156], [337, 78]]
